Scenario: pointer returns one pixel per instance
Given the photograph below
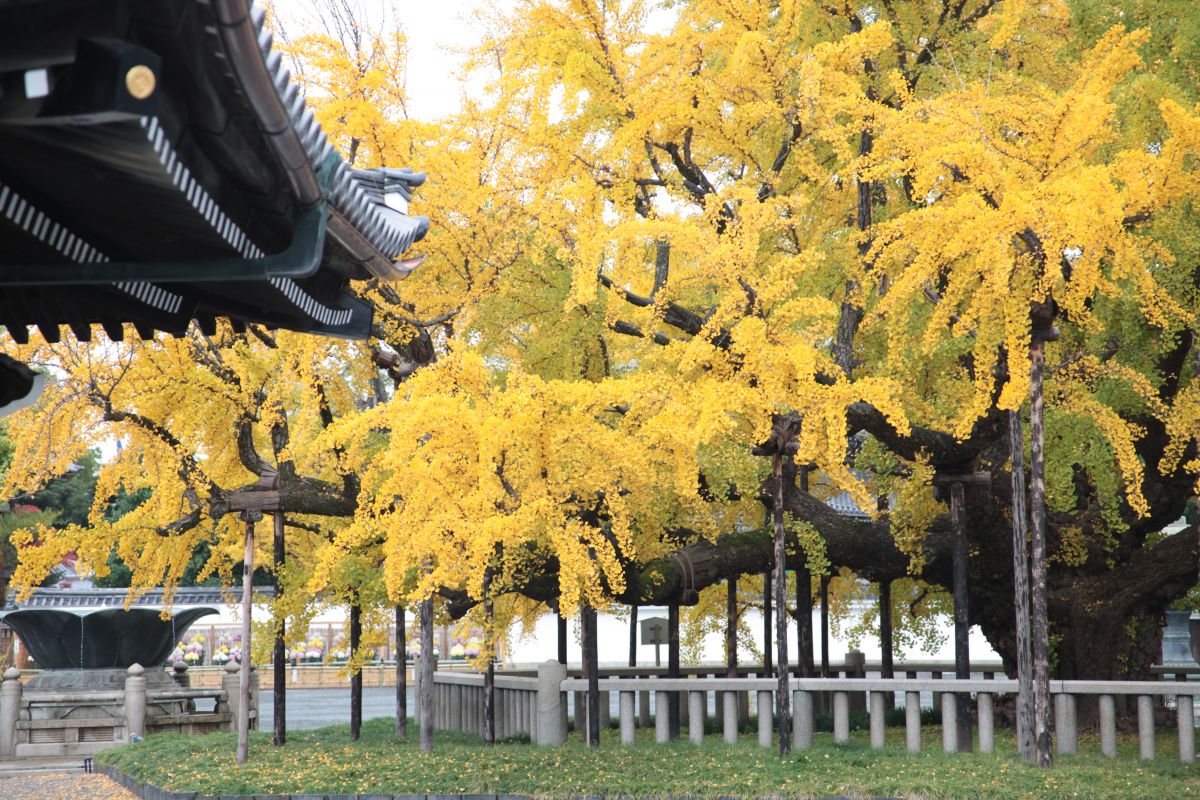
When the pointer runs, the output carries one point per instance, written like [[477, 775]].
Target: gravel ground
[[62, 786]]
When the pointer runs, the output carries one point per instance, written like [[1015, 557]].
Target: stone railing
[[553, 687], [37, 724], [458, 704]]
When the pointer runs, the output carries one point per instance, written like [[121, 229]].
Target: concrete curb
[[147, 791]]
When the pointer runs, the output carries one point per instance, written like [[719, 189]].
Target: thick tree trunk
[[279, 657], [401, 674], [356, 681], [1040, 617], [1024, 657], [962, 622], [425, 686], [673, 670]]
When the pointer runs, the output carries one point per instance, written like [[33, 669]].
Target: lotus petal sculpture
[[105, 639]]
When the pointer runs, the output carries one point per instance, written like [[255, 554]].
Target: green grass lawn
[[324, 761]]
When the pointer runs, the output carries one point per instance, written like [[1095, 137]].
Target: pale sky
[[438, 31]]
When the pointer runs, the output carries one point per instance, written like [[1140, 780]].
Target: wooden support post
[[672, 670], [401, 674], [562, 639], [592, 674], [425, 685], [962, 624], [731, 659], [279, 659], [824, 626], [804, 603], [783, 694], [356, 678], [633, 625], [768, 612], [1025, 738], [243, 740], [887, 666], [1037, 503]]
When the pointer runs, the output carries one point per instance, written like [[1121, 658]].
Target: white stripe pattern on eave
[[24, 215], [197, 196], [335, 317]]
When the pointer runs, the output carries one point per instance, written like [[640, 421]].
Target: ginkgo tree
[[803, 230]]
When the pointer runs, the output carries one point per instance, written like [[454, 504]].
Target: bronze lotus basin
[[104, 639]]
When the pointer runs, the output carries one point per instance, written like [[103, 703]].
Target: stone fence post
[[135, 702], [230, 684], [10, 710], [551, 723]]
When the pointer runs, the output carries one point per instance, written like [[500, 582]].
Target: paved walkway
[[62, 786]]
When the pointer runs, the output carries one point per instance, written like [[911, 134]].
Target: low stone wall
[[44, 721]]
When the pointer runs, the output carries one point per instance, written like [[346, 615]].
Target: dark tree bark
[[427, 664], [673, 669], [824, 626], [279, 658], [768, 613], [1021, 631], [562, 639], [591, 672], [804, 609], [783, 706], [887, 667], [1037, 503], [356, 684], [401, 674], [633, 627], [962, 623], [731, 615], [489, 674]]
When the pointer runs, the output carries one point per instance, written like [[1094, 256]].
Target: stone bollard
[[841, 717], [1064, 724], [1145, 716], [987, 724], [765, 720], [1108, 726], [10, 711], [878, 704], [233, 698], [949, 722], [912, 721], [803, 720], [551, 722], [135, 702], [729, 712], [662, 722], [1185, 715], [696, 717], [627, 701]]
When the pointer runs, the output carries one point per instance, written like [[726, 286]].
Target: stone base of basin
[[52, 692]]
